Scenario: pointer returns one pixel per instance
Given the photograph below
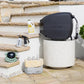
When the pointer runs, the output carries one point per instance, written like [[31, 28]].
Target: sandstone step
[[71, 2], [10, 9], [17, 27], [43, 2], [16, 35], [35, 17], [6, 64], [12, 38], [34, 49], [42, 7], [10, 72], [29, 2], [6, 5], [16, 9], [10, 47]]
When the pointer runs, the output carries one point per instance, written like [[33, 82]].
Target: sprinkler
[[11, 57]]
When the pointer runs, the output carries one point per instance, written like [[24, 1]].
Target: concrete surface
[[73, 75]]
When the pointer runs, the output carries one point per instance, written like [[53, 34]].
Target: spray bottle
[[19, 43]]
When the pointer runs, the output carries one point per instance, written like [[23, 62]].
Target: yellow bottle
[[31, 27]]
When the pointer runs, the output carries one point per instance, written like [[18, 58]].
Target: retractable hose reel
[[57, 30]]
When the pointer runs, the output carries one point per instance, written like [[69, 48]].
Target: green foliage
[[82, 31]]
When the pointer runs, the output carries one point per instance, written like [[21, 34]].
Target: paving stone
[[69, 74], [74, 82], [43, 75], [82, 74], [61, 74], [4, 81], [22, 82], [76, 68], [80, 63], [21, 78], [47, 81], [73, 75]]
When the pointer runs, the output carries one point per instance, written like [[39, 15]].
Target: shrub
[[82, 31]]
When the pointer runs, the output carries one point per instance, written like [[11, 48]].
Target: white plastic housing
[[59, 54]]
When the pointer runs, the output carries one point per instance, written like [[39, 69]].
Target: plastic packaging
[[19, 43]]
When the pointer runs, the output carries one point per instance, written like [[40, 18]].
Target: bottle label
[[31, 27]]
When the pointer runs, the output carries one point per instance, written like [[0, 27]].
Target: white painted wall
[[22, 19], [42, 9], [76, 10]]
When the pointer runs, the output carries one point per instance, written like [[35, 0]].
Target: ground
[[73, 75]]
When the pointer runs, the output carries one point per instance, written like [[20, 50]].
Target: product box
[[33, 66]]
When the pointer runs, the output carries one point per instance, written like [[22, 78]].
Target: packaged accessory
[[33, 66]]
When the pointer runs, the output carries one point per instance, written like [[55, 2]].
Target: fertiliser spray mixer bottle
[[26, 41], [31, 27]]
